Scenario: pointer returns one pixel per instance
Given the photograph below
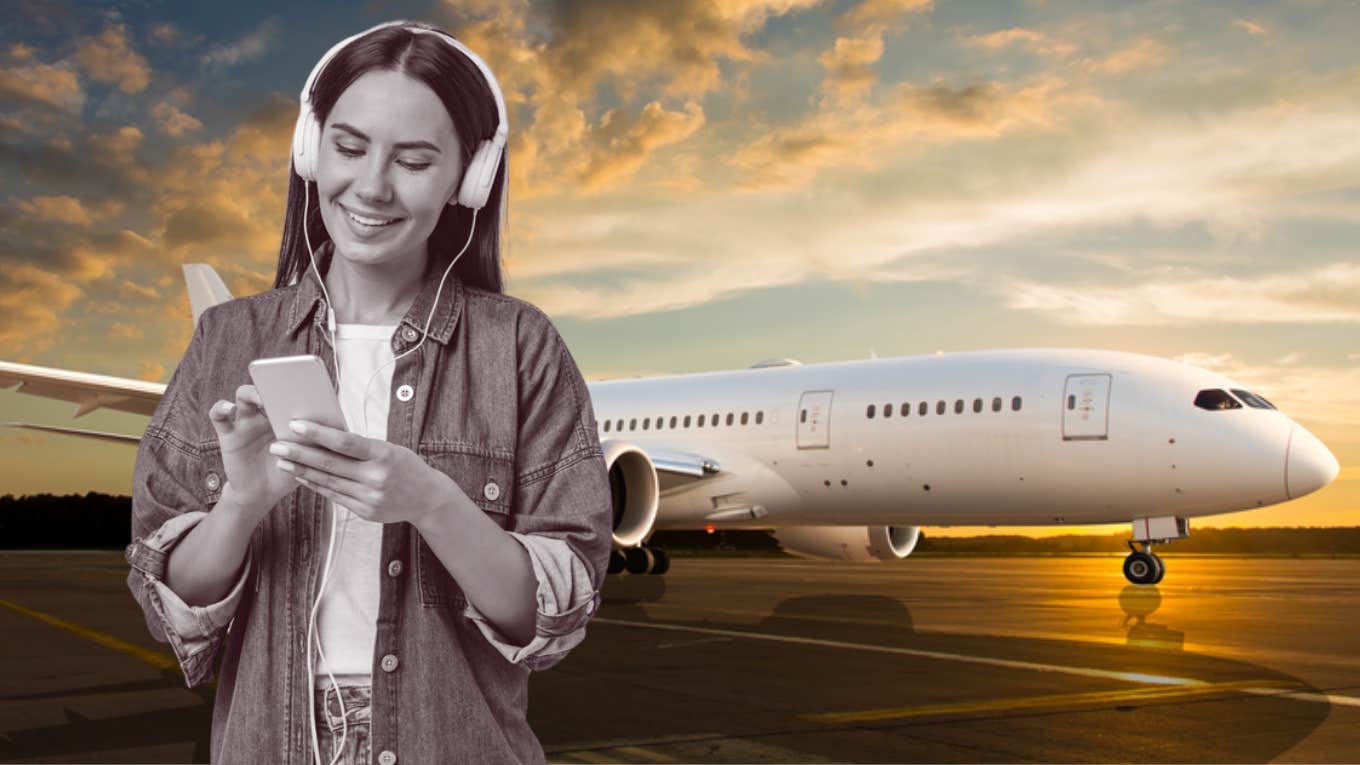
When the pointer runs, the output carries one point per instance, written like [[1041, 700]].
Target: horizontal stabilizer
[[95, 434]]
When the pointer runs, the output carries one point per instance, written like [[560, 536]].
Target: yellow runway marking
[[1037, 702], [638, 753], [587, 756], [155, 659], [1128, 677]]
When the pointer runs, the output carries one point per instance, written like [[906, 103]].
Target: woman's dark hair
[[472, 107]]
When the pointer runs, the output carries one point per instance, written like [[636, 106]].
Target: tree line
[[95, 521]]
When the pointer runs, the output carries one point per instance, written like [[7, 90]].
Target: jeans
[[358, 700]]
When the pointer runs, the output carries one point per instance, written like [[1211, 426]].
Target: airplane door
[[814, 420], [1086, 408]]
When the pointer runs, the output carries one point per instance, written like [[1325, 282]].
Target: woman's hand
[[376, 480], [244, 434]]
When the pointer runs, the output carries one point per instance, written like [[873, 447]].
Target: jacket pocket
[[488, 481]]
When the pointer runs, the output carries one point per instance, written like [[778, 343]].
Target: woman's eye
[[417, 166], [348, 152]]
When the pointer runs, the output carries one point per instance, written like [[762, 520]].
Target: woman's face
[[388, 165]]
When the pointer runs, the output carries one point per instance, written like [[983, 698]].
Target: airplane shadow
[[664, 685]]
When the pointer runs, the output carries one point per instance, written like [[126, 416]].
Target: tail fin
[[205, 288]]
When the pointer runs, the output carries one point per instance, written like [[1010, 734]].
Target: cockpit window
[[1214, 399], [1252, 400]]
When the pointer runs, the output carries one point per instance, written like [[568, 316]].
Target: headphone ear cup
[[306, 144], [480, 174]]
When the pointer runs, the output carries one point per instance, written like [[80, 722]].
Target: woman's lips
[[368, 225]]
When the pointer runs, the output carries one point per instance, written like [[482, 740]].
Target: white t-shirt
[[347, 619]]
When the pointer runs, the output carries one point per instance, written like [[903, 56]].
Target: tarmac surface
[[769, 660]]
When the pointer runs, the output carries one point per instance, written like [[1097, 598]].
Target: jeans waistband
[[357, 701]]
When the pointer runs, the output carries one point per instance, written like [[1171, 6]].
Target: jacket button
[[491, 491], [409, 334], [389, 663], [212, 481], [388, 757], [405, 393], [394, 568]]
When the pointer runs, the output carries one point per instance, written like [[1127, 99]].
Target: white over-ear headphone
[[481, 171]]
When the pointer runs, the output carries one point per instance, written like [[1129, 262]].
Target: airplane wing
[[676, 468], [91, 391], [87, 391]]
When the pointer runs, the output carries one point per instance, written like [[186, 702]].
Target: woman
[[382, 591]]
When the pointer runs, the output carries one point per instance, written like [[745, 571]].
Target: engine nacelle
[[853, 543], [634, 490]]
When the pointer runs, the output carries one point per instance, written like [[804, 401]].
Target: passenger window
[[939, 407], [802, 416], [922, 409], [672, 422], [869, 411], [996, 404], [1071, 401], [1015, 404], [760, 416], [645, 422], [906, 408], [977, 405], [958, 406], [701, 420], [887, 410], [632, 424], [743, 418], [687, 421], [1215, 399], [606, 426], [729, 418]]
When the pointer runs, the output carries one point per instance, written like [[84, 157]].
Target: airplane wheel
[[1161, 567], [1140, 568], [639, 559], [617, 562], [661, 561]]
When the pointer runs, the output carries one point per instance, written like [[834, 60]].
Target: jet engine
[[852, 543], [634, 490]]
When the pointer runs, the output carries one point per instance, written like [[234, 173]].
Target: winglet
[[205, 288]]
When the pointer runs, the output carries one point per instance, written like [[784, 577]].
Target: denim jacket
[[499, 406]]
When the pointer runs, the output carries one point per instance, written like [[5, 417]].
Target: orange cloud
[[172, 121], [54, 85], [1143, 54], [622, 145], [1029, 39], [59, 209], [109, 58]]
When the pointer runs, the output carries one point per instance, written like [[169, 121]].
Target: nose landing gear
[[1143, 566]]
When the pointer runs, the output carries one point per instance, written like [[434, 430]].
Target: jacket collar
[[308, 300]]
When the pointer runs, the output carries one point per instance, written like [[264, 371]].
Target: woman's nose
[[372, 184]]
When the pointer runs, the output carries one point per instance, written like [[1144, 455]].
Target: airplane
[[848, 460]]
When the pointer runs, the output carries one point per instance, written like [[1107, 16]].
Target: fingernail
[[280, 449], [286, 467], [298, 428]]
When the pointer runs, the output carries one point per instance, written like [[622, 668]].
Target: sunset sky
[[702, 185]]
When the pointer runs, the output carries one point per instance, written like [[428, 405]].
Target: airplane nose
[[1309, 465]]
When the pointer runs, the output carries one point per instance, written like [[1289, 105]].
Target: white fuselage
[[1098, 437]]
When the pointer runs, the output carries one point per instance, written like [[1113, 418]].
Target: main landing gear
[[639, 560], [1143, 566]]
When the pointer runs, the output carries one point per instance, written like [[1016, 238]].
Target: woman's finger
[[223, 415]]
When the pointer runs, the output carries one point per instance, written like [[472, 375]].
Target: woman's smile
[[365, 225]]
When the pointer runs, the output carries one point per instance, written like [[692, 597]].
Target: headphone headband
[[481, 170]]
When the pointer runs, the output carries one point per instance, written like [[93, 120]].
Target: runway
[[765, 660]]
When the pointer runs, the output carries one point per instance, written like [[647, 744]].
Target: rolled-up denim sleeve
[[561, 508], [166, 505]]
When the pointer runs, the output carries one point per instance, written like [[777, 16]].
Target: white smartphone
[[296, 388]]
